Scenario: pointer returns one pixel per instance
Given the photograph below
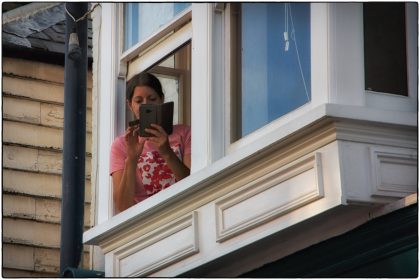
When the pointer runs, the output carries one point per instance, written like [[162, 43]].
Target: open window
[[174, 73], [157, 40]]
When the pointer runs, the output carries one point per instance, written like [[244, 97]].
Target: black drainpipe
[[74, 143]]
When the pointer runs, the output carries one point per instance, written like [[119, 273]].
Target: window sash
[[318, 77], [141, 47], [137, 24], [261, 98]]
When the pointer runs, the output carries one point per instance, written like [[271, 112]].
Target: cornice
[[224, 177]]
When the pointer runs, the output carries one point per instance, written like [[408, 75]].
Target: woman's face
[[143, 95]]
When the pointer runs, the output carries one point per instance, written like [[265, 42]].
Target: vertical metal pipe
[[74, 142]]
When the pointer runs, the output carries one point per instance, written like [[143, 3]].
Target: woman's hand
[[134, 143], [180, 167], [159, 139]]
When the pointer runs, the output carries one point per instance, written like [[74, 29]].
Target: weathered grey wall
[[33, 113]]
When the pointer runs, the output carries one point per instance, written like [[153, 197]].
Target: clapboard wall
[[33, 112]]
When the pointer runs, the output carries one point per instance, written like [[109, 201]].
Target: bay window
[[247, 74], [278, 102]]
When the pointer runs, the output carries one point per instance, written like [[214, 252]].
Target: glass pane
[[170, 87], [143, 19], [274, 62], [385, 58], [174, 74]]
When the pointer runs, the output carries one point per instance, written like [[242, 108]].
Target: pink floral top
[[153, 174]]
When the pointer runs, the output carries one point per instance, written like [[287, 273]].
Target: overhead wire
[[84, 16]]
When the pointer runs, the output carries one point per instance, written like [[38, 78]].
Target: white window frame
[[107, 113], [112, 71], [337, 70], [348, 68], [319, 83], [336, 78]]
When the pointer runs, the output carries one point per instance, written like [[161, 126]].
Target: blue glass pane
[[143, 19], [276, 78]]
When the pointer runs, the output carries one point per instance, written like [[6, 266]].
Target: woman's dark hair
[[143, 79]]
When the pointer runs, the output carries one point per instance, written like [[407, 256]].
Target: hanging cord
[[84, 16], [297, 52], [286, 27]]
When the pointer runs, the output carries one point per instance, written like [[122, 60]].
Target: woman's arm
[[181, 168], [124, 185], [124, 181]]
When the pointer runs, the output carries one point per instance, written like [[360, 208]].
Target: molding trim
[[231, 173], [358, 131], [180, 237], [384, 164], [266, 191], [162, 48]]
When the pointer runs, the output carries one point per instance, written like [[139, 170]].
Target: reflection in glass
[[143, 19], [174, 74], [170, 87], [275, 61]]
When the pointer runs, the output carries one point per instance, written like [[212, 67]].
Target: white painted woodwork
[[319, 171], [201, 84], [176, 23], [105, 111], [393, 171], [163, 49], [346, 65], [299, 177], [263, 199], [179, 238]]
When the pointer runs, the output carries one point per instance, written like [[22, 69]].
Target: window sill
[[222, 168]]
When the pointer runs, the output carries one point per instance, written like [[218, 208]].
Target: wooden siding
[[33, 114]]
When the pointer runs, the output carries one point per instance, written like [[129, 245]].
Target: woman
[[141, 167]]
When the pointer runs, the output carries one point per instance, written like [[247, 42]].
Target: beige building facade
[[33, 112]]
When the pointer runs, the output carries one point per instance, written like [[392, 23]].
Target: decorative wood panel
[[159, 248], [269, 197], [393, 171]]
